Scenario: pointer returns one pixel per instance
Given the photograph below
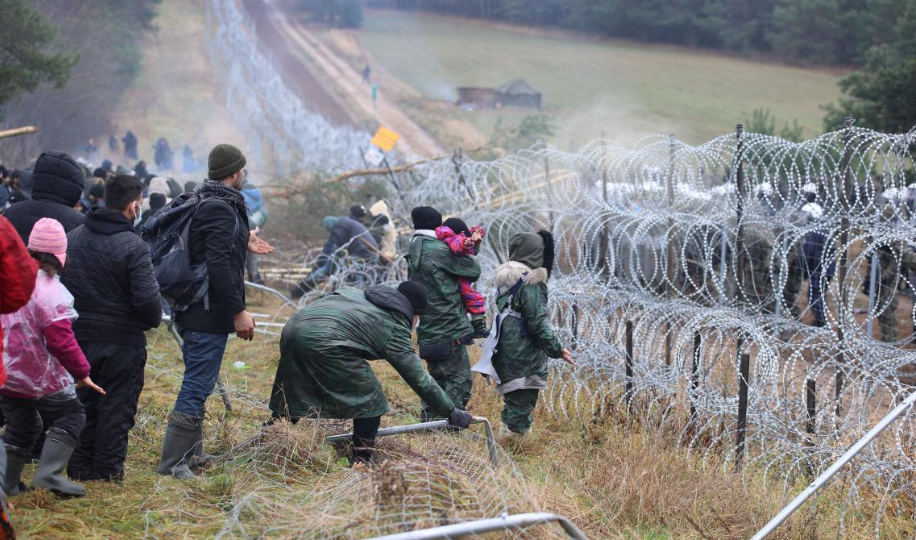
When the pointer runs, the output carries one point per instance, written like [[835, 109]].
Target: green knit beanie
[[224, 161]]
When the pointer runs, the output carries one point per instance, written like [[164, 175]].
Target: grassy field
[[612, 478], [627, 89]]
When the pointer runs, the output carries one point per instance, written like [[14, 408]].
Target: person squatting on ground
[[218, 237], [515, 354], [347, 233], [444, 330], [111, 277], [324, 349], [466, 241], [17, 282], [42, 359]]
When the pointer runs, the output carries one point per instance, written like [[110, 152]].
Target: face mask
[[136, 210]]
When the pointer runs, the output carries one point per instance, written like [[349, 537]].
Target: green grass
[[627, 89]]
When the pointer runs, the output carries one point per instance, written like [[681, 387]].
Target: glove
[[460, 419]]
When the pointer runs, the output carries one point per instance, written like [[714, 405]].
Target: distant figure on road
[[367, 73], [188, 165], [163, 154]]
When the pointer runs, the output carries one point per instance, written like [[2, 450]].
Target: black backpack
[[167, 234]]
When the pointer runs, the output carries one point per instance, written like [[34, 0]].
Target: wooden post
[[575, 325], [605, 248], [695, 372], [743, 381], [17, 131], [549, 192], [739, 180], [811, 406], [670, 255], [843, 263], [629, 364]]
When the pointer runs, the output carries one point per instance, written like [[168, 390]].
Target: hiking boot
[[59, 446], [16, 458], [182, 436]]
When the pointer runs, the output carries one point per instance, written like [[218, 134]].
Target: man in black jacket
[[111, 277], [57, 185], [346, 233], [218, 237]]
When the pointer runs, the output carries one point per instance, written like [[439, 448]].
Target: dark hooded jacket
[[57, 185], [526, 339], [352, 236], [111, 278], [323, 352], [432, 264]]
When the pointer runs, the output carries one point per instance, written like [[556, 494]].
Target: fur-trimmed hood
[[508, 274]]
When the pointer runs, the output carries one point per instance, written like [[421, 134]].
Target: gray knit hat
[[225, 160]]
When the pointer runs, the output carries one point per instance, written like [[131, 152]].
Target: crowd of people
[[89, 261]]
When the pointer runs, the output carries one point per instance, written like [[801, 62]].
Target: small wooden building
[[515, 93]]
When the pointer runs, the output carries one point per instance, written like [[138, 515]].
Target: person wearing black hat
[[324, 348], [57, 185], [218, 237], [358, 212], [445, 331]]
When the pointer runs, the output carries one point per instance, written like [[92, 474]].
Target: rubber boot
[[182, 436], [59, 446], [16, 458], [200, 458]]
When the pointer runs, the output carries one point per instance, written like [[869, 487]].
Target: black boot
[[16, 458], [59, 446], [182, 436], [199, 458]]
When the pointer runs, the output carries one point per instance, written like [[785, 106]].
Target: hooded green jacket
[[521, 360], [323, 352], [432, 263]]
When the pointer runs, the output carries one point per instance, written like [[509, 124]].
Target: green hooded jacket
[[432, 263], [525, 343], [323, 352]]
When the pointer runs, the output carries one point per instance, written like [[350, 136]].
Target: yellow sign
[[385, 138]]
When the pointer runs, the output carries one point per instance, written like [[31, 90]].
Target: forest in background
[[63, 66]]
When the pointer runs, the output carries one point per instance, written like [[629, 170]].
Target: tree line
[[63, 65]]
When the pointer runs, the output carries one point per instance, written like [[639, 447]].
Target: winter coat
[[17, 276], [432, 263], [353, 236], [110, 275], [40, 353], [157, 185], [527, 340], [211, 242], [57, 185], [384, 232], [323, 352]]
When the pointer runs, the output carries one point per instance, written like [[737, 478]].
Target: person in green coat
[[445, 329], [515, 355], [324, 348]]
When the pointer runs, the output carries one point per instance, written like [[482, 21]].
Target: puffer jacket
[[111, 277], [526, 340], [323, 352], [57, 185], [432, 263]]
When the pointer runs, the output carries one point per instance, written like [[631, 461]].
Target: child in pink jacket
[[466, 241], [42, 361]]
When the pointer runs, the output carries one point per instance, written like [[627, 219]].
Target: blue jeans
[[203, 356]]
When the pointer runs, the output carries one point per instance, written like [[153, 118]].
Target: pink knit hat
[[48, 236]]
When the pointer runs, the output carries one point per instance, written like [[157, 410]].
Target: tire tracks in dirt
[[297, 38]]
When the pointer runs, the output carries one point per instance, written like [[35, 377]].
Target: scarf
[[212, 188]]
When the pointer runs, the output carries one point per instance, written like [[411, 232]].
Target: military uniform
[[323, 352], [444, 330], [525, 338]]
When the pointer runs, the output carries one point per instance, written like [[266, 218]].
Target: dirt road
[[345, 79]]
